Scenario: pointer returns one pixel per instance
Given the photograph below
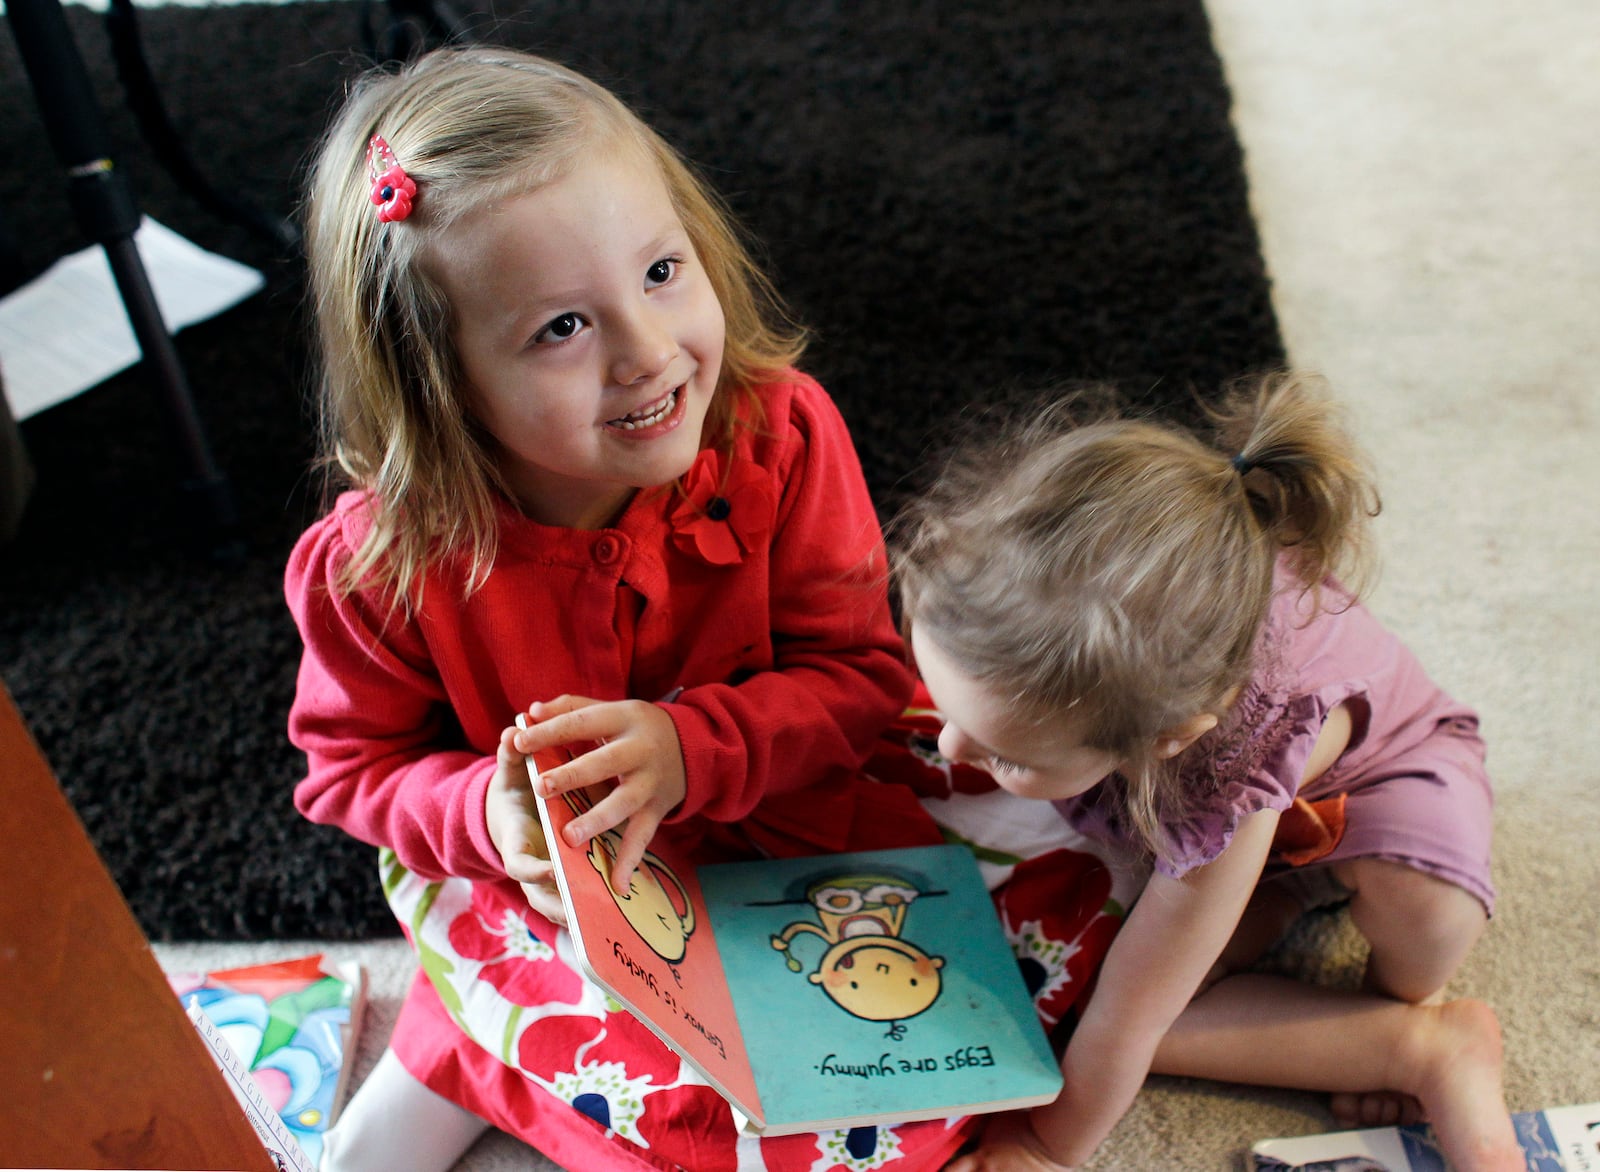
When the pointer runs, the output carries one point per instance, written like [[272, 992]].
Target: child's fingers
[[546, 900], [529, 867], [542, 713], [507, 753], [532, 841], [618, 736], [614, 809], [509, 811], [636, 838], [519, 838], [592, 722], [601, 763], [566, 702]]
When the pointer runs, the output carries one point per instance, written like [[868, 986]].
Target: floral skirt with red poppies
[[501, 1021]]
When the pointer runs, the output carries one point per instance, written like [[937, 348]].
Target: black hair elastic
[[1241, 465]]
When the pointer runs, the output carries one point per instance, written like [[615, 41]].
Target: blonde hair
[[1123, 567], [471, 126]]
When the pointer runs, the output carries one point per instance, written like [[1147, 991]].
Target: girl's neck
[[600, 512]]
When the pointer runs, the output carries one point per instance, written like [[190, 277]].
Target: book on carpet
[[813, 993], [287, 1155], [289, 1028], [1559, 1139]]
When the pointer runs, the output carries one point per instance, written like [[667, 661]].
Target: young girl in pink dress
[[1147, 630], [585, 484]]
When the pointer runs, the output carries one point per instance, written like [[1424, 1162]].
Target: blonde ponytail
[[1307, 483]]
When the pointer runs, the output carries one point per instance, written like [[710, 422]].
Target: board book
[[1560, 1139], [289, 1028], [286, 1153], [813, 993]]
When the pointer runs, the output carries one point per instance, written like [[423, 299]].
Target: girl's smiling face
[[1032, 759], [588, 333]]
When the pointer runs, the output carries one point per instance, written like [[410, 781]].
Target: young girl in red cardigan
[[584, 483]]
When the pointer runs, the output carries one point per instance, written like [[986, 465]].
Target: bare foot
[[1452, 1060], [1375, 1109]]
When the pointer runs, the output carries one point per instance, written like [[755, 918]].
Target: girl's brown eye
[[560, 329]]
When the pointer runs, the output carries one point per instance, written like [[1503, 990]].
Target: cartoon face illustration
[[879, 978], [662, 923], [869, 969]]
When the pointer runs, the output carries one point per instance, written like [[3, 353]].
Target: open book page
[[813, 993], [652, 947], [876, 986]]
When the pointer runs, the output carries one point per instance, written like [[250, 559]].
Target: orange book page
[[653, 948]]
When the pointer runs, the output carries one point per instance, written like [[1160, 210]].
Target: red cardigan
[[779, 670]]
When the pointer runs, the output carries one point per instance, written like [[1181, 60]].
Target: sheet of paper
[[67, 330]]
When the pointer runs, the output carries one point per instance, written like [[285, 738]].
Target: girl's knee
[[1420, 927], [1421, 900]]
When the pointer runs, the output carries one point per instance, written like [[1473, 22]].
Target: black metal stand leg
[[103, 204], [206, 484], [127, 49]]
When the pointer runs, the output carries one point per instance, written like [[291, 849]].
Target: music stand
[[107, 213]]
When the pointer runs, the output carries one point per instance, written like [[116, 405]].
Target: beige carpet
[[1428, 191]]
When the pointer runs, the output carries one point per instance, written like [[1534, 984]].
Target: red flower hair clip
[[392, 189]]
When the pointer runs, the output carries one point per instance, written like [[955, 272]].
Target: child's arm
[[1175, 932], [385, 761]]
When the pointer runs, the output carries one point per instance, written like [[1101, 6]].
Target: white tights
[[393, 1121]]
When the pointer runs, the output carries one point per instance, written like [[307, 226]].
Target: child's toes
[[1375, 1109]]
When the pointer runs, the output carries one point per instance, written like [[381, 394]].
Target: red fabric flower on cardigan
[[723, 517]]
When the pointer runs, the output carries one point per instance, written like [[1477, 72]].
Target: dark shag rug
[[964, 202]]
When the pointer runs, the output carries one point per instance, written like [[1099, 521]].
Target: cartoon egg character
[[662, 922], [869, 969]]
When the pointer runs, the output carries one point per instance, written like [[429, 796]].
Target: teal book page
[[875, 986]]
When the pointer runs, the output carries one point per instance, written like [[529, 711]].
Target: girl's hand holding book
[[514, 827], [632, 743]]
